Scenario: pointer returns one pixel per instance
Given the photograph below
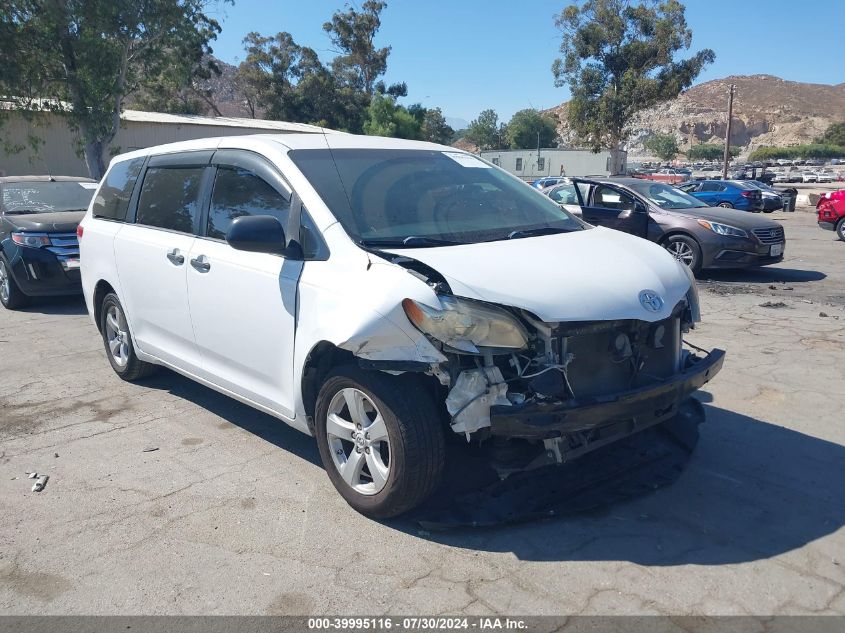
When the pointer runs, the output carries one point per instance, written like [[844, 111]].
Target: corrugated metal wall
[[58, 154]]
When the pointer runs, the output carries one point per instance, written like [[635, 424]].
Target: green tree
[[434, 127], [710, 151], [485, 131], [179, 89], [619, 58], [386, 118], [359, 63], [834, 135], [664, 146], [80, 58], [527, 126], [271, 70]]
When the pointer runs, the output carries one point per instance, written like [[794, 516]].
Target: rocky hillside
[[767, 111]]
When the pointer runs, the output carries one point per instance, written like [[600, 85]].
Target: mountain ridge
[[768, 110]]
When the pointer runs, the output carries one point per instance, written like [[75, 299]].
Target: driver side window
[[607, 198], [238, 192], [565, 194]]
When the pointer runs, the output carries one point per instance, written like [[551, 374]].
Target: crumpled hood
[[57, 222], [590, 275]]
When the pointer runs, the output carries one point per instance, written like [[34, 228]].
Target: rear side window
[[170, 198], [238, 192], [112, 199]]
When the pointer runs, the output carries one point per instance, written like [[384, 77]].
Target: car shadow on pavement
[[262, 425], [55, 305], [752, 490], [763, 275]]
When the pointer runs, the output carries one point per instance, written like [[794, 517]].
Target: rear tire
[[398, 464], [840, 229], [684, 249], [117, 340], [11, 295]]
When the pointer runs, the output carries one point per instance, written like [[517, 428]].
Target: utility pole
[[538, 151], [728, 132]]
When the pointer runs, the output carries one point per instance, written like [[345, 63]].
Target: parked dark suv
[[39, 251]]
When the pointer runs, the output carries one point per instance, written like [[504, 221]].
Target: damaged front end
[[534, 393]]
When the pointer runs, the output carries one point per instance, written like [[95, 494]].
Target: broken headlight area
[[572, 387]]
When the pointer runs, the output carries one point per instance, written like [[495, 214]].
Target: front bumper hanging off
[[599, 421]]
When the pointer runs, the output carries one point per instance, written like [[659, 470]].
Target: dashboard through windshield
[[420, 198]]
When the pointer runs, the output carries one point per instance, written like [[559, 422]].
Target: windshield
[[46, 197], [399, 197], [667, 197]]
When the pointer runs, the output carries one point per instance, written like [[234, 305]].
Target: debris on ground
[[822, 314], [39, 484], [55, 454], [773, 304], [774, 287], [149, 449], [32, 475]]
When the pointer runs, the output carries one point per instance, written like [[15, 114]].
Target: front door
[[616, 209], [243, 305]]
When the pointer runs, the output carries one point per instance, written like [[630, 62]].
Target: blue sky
[[468, 55]]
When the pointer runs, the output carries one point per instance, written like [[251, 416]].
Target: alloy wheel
[[117, 336], [358, 441], [5, 283], [682, 252]]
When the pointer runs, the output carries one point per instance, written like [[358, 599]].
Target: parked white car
[[381, 294], [809, 176], [823, 176]]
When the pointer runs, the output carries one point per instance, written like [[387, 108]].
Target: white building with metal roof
[[59, 153]]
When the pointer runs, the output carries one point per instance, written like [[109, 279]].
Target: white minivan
[[387, 296]]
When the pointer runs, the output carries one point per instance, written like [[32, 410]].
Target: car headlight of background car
[[33, 240], [723, 229], [467, 325]]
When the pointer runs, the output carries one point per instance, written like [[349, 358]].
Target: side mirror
[[639, 207], [257, 234]]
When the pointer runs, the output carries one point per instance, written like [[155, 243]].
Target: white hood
[[590, 275]]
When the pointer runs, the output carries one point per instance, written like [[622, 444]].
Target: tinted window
[[238, 192], [607, 198], [112, 199], [711, 186], [170, 198]]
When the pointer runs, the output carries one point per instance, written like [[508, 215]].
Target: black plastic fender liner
[[473, 496]]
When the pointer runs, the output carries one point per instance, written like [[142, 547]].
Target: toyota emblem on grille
[[651, 301]]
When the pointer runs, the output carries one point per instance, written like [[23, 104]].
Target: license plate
[[71, 263], [776, 250]]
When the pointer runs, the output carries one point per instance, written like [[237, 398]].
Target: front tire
[[118, 342], [726, 205], [380, 439], [686, 250], [11, 295], [840, 229]]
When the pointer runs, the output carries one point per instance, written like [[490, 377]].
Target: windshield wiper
[[545, 230], [409, 242], [20, 211]]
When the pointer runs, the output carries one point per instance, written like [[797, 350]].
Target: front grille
[[769, 236]]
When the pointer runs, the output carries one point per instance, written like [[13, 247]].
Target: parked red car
[[831, 210]]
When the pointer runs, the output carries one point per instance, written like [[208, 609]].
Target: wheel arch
[[101, 289], [322, 357]]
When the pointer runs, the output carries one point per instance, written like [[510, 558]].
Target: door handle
[[175, 257], [201, 263]]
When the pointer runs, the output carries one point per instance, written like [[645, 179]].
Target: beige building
[[59, 154]]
